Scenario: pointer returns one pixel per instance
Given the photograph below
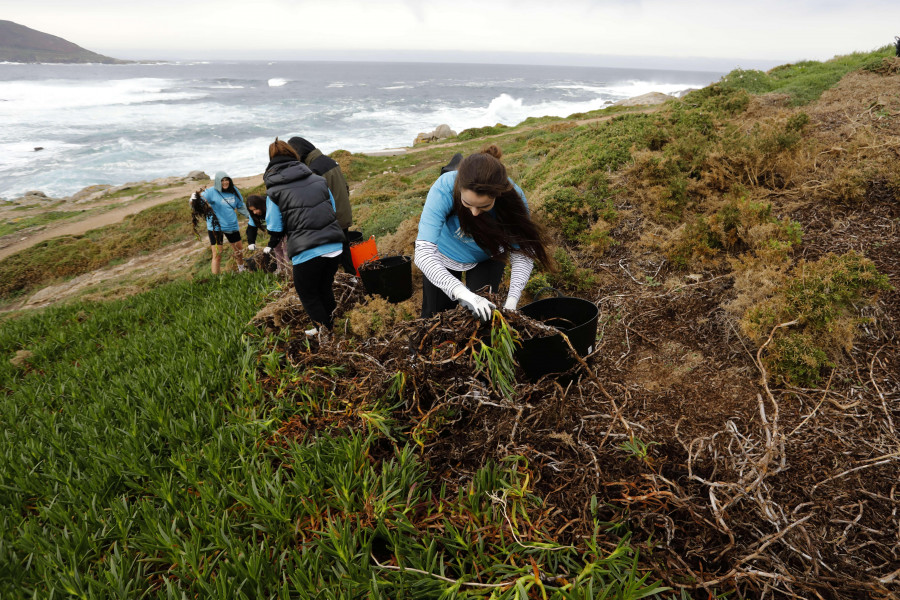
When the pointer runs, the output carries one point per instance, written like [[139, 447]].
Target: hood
[[219, 177], [284, 171], [301, 146]]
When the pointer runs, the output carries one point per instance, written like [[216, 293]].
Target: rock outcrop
[[442, 132], [649, 99]]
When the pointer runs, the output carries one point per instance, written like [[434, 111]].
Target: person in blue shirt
[[303, 204], [265, 215], [224, 199], [473, 219]]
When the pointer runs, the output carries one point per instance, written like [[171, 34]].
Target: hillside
[[732, 432], [25, 45]]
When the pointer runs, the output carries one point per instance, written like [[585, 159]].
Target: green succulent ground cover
[[136, 465]]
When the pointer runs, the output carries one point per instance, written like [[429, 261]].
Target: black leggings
[[487, 273], [346, 260], [313, 280]]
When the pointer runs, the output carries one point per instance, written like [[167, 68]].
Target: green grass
[[20, 223], [69, 256], [804, 81], [135, 464]]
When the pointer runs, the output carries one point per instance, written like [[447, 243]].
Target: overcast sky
[[730, 32]]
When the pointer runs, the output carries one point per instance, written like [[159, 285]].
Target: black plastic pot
[[354, 236], [575, 317], [390, 277]]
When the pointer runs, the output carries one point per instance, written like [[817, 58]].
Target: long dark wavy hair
[[511, 225], [258, 202]]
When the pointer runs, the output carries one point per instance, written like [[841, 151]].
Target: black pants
[[487, 273], [313, 281], [346, 259]]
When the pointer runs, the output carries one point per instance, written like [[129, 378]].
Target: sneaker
[[311, 332]]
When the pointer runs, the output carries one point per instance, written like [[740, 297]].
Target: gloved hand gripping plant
[[497, 361]]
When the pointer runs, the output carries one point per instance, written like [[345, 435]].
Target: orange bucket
[[363, 251]]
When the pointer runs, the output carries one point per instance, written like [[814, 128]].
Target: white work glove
[[193, 197], [266, 250], [510, 304], [480, 307], [251, 247]]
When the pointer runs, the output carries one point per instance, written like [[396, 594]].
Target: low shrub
[[568, 277], [479, 132], [378, 315], [824, 297]]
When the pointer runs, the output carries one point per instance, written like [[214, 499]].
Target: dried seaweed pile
[[730, 484]]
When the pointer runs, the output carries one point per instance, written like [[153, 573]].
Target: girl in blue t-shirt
[[472, 220], [264, 214]]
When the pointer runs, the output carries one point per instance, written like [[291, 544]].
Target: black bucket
[[390, 277], [354, 237], [575, 317]]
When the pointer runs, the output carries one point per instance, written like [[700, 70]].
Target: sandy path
[[26, 240]]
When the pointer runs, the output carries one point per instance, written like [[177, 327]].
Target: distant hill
[[23, 44]]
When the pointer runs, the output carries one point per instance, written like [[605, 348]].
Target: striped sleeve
[[520, 267], [428, 259]]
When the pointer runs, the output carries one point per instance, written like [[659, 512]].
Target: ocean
[[113, 124]]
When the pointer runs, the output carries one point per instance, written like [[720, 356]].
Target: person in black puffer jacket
[[312, 233], [327, 167]]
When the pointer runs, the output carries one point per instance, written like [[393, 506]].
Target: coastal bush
[[824, 298], [740, 225], [480, 132], [762, 155], [574, 211], [568, 277], [384, 216], [693, 242]]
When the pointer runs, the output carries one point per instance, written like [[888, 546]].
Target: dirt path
[[26, 240]]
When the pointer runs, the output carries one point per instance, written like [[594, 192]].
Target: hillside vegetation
[[732, 434], [23, 44]]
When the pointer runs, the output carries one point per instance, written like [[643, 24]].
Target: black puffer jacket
[[306, 211]]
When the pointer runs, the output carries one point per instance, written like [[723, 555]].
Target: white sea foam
[[55, 94], [502, 109], [277, 82]]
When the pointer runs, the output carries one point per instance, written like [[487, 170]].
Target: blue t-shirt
[[274, 223], [440, 227], [273, 217], [223, 206]]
